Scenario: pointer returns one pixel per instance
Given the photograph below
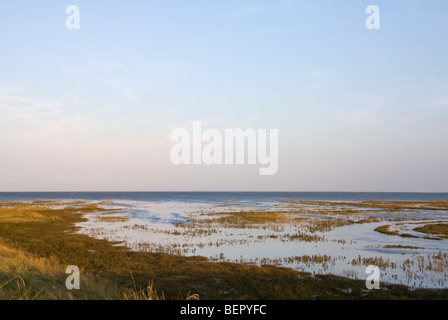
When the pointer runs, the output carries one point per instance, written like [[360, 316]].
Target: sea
[[221, 197]]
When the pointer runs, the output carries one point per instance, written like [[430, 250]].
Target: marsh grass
[[112, 218], [20, 214], [244, 219], [384, 205], [440, 229], [385, 229], [147, 293], [399, 246]]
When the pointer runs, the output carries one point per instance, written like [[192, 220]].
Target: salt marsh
[[340, 238]]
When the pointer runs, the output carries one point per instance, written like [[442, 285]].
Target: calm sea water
[[219, 197]]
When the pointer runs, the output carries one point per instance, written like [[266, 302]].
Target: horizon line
[[223, 191]]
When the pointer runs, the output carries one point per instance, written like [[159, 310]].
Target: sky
[[92, 109]]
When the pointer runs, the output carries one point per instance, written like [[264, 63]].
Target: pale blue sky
[[92, 109]]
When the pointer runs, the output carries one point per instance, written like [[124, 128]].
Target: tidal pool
[[316, 237]]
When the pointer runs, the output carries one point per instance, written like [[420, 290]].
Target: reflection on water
[[316, 238]]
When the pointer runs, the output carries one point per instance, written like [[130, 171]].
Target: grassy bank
[[38, 241], [440, 229]]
